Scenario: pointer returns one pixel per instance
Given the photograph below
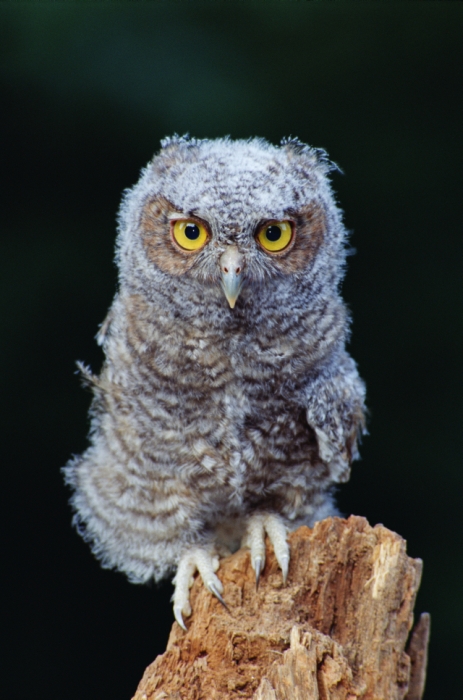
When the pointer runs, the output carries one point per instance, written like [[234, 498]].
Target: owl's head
[[231, 215]]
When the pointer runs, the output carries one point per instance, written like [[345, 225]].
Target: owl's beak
[[231, 266]]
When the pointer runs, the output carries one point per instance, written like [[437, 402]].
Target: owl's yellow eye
[[275, 236], [190, 235]]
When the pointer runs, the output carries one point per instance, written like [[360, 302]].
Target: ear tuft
[[292, 143], [174, 141], [317, 156]]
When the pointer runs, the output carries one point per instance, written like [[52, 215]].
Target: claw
[[275, 528], [277, 533], [284, 564], [179, 618], [213, 589], [258, 565]]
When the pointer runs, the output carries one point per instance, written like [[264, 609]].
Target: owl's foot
[[206, 562], [273, 526]]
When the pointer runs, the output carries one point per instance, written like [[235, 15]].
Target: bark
[[339, 629]]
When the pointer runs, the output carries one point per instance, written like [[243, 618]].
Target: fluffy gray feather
[[203, 415]]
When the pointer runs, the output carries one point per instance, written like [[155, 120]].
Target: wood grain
[[337, 631]]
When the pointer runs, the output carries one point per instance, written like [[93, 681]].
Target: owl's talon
[[182, 583], [275, 528], [179, 618], [255, 540], [215, 591], [206, 562], [258, 565], [284, 564]]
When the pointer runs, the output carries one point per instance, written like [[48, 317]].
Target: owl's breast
[[212, 407]]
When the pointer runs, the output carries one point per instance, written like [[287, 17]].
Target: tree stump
[[338, 630]]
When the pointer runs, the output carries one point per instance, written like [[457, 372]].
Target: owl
[[227, 408]]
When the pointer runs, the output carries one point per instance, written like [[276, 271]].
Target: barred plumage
[[214, 421]]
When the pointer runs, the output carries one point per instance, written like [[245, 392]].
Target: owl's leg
[[206, 562], [258, 525]]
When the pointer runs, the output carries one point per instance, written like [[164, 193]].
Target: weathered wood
[[337, 631], [417, 650]]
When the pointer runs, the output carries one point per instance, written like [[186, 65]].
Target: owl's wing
[[335, 410]]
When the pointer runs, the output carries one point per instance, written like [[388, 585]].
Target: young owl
[[227, 407]]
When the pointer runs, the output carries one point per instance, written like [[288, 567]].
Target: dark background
[[87, 91]]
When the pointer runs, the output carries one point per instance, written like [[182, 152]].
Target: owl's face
[[230, 215]]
